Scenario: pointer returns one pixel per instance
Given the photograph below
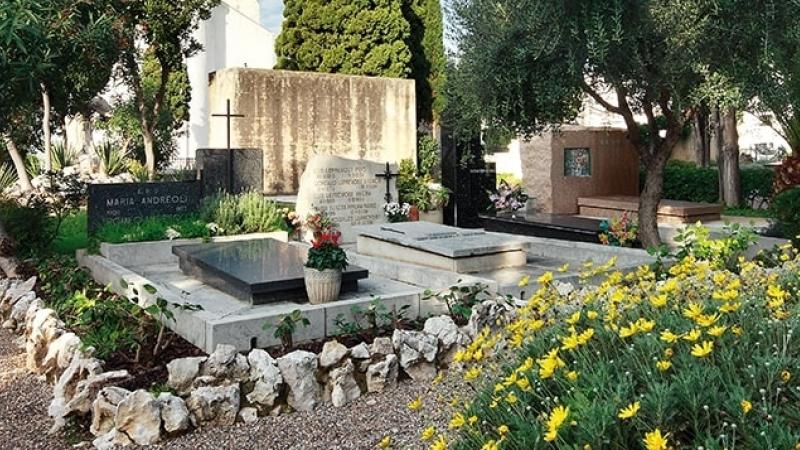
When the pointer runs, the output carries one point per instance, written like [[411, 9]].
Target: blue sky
[[272, 14]]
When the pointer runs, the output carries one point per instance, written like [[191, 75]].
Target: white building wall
[[232, 37]]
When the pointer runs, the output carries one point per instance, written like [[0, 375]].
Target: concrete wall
[[294, 116], [615, 167], [232, 37]]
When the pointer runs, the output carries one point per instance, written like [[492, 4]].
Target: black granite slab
[[123, 201], [555, 226], [214, 165], [257, 271]]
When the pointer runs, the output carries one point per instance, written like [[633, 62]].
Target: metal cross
[[228, 116], [388, 175]]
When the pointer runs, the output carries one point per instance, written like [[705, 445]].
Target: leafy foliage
[[787, 175], [64, 155], [419, 189], [325, 252], [426, 42], [786, 209], [363, 37], [7, 176], [460, 299], [287, 326]]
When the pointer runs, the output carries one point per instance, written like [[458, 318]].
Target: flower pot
[[413, 214], [322, 286], [435, 216]]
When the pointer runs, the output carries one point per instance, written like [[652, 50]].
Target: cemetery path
[[24, 399], [361, 425]]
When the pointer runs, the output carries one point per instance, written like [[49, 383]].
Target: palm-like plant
[[113, 158]]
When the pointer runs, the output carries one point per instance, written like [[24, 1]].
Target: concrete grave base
[[226, 320]]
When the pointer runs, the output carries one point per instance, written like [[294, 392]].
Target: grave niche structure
[[256, 271], [349, 192], [469, 177], [560, 167], [293, 116], [441, 247]]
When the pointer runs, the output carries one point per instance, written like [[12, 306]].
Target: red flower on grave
[[327, 237]]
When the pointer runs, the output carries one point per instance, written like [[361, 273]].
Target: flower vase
[[322, 286]]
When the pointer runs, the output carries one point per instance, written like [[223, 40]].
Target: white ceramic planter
[[435, 216], [322, 286]]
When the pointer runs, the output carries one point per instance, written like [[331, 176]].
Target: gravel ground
[[360, 425]]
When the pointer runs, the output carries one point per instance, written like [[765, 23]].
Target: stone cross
[[228, 116], [387, 175]]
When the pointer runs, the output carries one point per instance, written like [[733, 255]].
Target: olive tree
[[531, 62]]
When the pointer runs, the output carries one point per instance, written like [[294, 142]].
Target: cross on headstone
[[228, 116], [387, 175]]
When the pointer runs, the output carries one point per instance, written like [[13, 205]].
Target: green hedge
[[685, 181]]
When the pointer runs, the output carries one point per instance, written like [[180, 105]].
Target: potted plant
[[326, 261], [426, 197]]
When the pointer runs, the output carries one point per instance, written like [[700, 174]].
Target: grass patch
[[72, 235], [153, 229]]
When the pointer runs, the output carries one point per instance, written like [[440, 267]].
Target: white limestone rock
[[421, 371], [182, 372], [111, 440], [86, 390], [383, 374], [382, 346], [414, 347], [214, 405], [81, 367], [248, 415], [299, 373], [445, 330], [266, 375], [45, 328], [489, 313], [342, 384], [332, 352], [59, 355], [14, 292], [104, 409], [33, 308], [20, 308], [360, 351], [174, 413], [139, 417], [226, 364]]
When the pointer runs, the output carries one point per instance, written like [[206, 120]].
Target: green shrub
[[30, 226], [685, 181], [244, 213], [8, 176], [63, 155], [786, 209], [113, 159]]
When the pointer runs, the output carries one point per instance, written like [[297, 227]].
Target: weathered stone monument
[[560, 167], [348, 191], [294, 116]]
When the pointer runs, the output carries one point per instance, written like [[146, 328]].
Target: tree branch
[[599, 99]]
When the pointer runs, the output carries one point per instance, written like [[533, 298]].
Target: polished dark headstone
[[121, 201], [213, 166], [257, 271], [555, 226]]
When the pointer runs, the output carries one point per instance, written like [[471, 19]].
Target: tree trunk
[[702, 139], [48, 150], [149, 153], [651, 195], [715, 127], [729, 176], [19, 163]]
